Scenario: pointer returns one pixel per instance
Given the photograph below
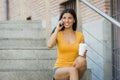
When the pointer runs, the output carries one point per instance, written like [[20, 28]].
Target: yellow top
[[67, 52]]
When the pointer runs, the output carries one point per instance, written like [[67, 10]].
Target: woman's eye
[[70, 17], [64, 17], [67, 17]]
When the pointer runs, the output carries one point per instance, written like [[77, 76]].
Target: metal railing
[[101, 13], [115, 22], [95, 54]]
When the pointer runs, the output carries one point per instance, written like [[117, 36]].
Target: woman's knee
[[73, 71], [61, 74]]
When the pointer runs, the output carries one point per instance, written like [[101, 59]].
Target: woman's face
[[68, 20]]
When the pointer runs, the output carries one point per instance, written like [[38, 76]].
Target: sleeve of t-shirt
[[81, 37]]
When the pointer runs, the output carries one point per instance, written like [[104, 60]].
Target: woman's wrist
[[57, 29]]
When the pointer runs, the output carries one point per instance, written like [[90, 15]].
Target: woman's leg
[[67, 73], [80, 64]]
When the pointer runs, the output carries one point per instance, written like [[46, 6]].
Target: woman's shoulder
[[59, 34], [80, 36], [79, 33]]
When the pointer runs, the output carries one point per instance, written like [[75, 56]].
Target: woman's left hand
[[80, 59]]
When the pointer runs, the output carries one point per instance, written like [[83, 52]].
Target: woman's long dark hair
[[72, 12]]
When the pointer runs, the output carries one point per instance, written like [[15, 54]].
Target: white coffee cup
[[82, 48]]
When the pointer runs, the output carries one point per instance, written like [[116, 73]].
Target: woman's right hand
[[60, 25]]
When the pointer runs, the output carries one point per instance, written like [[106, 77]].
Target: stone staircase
[[23, 52]]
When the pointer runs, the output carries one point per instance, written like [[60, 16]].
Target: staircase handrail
[[112, 20]]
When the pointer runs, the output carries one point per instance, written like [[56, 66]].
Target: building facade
[[100, 35]]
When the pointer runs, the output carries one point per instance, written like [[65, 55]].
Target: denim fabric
[[53, 73]]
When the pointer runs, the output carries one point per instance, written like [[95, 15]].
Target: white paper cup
[[82, 48]]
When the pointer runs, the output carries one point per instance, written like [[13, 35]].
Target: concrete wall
[[2, 10], [98, 37]]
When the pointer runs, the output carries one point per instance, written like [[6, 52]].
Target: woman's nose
[[67, 20]]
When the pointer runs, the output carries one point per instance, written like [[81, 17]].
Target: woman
[[69, 65]]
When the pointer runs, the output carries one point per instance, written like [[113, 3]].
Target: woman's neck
[[67, 31]]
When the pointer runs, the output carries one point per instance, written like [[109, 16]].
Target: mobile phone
[[61, 25]]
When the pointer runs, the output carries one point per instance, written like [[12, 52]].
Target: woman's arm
[[52, 40]]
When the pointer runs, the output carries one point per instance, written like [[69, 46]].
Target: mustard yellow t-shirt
[[67, 52]]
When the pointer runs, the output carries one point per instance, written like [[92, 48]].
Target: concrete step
[[31, 54], [22, 29], [21, 25], [26, 64], [26, 75], [22, 43], [34, 75], [87, 75], [32, 59], [29, 34]]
